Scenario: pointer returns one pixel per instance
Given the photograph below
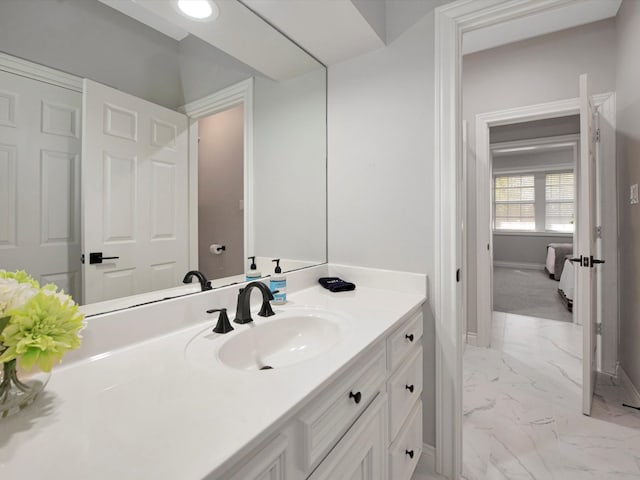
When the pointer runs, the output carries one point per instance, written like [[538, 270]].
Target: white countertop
[[144, 412]]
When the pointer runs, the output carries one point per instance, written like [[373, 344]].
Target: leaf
[[3, 322]]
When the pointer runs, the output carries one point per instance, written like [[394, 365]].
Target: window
[[515, 202], [559, 202], [534, 202]]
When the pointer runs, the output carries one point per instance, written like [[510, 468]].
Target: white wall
[[628, 148], [220, 191], [538, 70], [381, 161], [290, 162]]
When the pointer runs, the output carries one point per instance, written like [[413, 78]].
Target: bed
[[565, 287], [556, 254]]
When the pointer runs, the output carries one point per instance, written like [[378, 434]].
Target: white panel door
[[586, 294], [40, 181], [135, 193]]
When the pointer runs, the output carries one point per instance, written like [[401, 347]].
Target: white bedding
[[554, 264], [566, 280]]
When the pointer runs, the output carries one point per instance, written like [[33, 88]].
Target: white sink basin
[[288, 338]]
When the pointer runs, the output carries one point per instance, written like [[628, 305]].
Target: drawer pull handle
[[409, 452], [356, 396], [409, 387], [409, 337]]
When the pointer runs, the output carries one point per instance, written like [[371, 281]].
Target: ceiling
[[334, 30]]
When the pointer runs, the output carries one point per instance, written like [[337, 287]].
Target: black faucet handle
[[266, 310], [223, 325]]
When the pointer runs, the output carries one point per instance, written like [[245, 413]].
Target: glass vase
[[18, 389]]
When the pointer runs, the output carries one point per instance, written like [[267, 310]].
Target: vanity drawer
[[400, 342], [406, 450], [404, 388], [327, 418]]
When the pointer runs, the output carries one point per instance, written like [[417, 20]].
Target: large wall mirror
[[129, 130]]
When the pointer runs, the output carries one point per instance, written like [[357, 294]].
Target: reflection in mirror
[[184, 150]]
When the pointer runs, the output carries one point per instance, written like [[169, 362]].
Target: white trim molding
[[34, 71], [427, 461], [628, 385], [519, 265], [240, 93], [472, 339], [451, 21]]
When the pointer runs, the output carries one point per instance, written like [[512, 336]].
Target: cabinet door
[[360, 455], [268, 464]]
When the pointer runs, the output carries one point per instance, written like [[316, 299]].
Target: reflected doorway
[[221, 193]]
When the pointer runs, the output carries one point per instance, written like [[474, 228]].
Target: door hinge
[[599, 231], [596, 135], [598, 328]]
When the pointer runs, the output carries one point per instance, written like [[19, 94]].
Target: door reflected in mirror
[[73, 184]]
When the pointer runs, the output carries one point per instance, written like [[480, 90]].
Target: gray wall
[[524, 248], [628, 149], [547, 127], [220, 191], [380, 161], [89, 39], [538, 70]]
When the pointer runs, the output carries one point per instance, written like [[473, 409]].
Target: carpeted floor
[[528, 292]]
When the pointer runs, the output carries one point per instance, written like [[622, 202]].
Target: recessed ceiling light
[[199, 9]]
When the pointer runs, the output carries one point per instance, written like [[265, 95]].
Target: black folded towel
[[336, 284]]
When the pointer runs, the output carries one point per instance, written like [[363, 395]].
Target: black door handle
[[356, 396], [96, 257], [409, 452], [409, 337], [409, 387]]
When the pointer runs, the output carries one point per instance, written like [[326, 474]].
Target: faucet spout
[[204, 283], [243, 309]]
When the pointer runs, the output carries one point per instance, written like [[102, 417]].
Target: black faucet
[[223, 325], [204, 283], [243, 309]]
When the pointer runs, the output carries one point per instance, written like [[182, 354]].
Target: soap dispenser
[[253, 274], [278, 281]]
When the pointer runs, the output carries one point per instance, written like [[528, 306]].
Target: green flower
[[20, 276], [42, 331]]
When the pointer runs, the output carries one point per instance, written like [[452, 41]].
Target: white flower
[[14, 294]]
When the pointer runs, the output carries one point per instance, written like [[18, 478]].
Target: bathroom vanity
[[171, 405]]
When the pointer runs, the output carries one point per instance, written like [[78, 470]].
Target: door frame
[[451, 21], [240, 93], [484, 121]]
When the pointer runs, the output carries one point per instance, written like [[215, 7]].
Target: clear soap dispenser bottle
[[278, 281], [253, 274]]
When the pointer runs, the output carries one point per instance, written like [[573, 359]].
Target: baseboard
[[628, 385], [472, 338], [525, 266], [427, 462]]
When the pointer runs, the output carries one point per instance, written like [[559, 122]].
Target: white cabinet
[[366, 424], [361, 453], [404, 388], [268, 463]]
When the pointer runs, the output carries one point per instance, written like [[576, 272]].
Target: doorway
[[221, 193], [452, 21]]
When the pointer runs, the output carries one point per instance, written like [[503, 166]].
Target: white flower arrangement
[[38, 325]]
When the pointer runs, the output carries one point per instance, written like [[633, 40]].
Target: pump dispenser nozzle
[[253, 262], [278, 269]]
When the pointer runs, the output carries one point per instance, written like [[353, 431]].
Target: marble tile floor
[[522, 409]]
